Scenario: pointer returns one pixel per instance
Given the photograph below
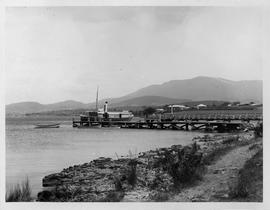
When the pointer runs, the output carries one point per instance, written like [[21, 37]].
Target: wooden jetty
[[206, 120], [207, 125], [172, 125]]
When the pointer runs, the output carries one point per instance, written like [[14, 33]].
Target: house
[[180, 107], [201, 106], [160, 110], [245, 104]]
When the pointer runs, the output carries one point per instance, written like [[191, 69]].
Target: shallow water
[[34, 153]]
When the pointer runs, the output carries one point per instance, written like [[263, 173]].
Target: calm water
[[34, 153]]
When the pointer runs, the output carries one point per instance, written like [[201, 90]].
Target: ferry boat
[[94, 119], [105, 115]]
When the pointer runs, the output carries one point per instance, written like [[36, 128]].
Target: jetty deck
[[174, 125]]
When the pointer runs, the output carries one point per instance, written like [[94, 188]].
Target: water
[[34, 153]]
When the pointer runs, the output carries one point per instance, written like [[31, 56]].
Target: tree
[[148, 111], [236, 103], [224, 104]]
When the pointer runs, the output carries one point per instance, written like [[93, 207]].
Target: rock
[[45, 196], [220, 170], [233, 168], [216, 171], [199, 199], [51, 180], [221, 195]]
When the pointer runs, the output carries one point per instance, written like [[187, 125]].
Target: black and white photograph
[[133, 104]]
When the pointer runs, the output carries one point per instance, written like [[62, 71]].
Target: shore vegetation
[[20, 192], [249, 185]]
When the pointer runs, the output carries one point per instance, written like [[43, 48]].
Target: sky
[[63, 53]]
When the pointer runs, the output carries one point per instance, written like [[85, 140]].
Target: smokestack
[[106, 107], [171, 109], [97, 100]]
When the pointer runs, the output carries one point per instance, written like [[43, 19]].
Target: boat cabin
[[103, 115]]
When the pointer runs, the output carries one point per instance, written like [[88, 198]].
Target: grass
[[20, 193], [258, 130], [189, 166], [250, 180]]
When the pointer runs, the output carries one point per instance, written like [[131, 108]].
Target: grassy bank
[[249, 187], [20, 193]]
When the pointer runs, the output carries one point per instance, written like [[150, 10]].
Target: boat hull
[[57, 126], [48, 125]]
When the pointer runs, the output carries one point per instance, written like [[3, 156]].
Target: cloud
[[63, 53]]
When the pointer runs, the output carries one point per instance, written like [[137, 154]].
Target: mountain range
[[171, 92]]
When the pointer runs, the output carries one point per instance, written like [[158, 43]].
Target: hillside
[[24, 107], [34, 107], [175, 91], [205, 88]]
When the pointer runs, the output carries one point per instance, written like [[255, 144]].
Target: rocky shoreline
[[148, 176]]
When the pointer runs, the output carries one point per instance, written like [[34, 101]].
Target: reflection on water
[[39, 152]]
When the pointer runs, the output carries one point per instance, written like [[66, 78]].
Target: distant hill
[[148, 101], [70, 104], [198, 89], [34, 107], [204, 88], [172, 92], [208, 103], [24, 107]]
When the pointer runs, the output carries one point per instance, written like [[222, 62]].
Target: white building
[[199, 106], [181, 107]]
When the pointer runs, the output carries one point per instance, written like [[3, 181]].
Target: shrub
[[241, 191], [254, 146], [248, 176], [62, 193], [20, 193], [230, 140], [148, 111], [190, 164], [258, 130], [186, 166], [45, 196], [132, 176], [118, 184]]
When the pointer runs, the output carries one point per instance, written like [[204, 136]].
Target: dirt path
[[219, 176]]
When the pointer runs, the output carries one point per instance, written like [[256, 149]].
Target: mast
[[97, 99]]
